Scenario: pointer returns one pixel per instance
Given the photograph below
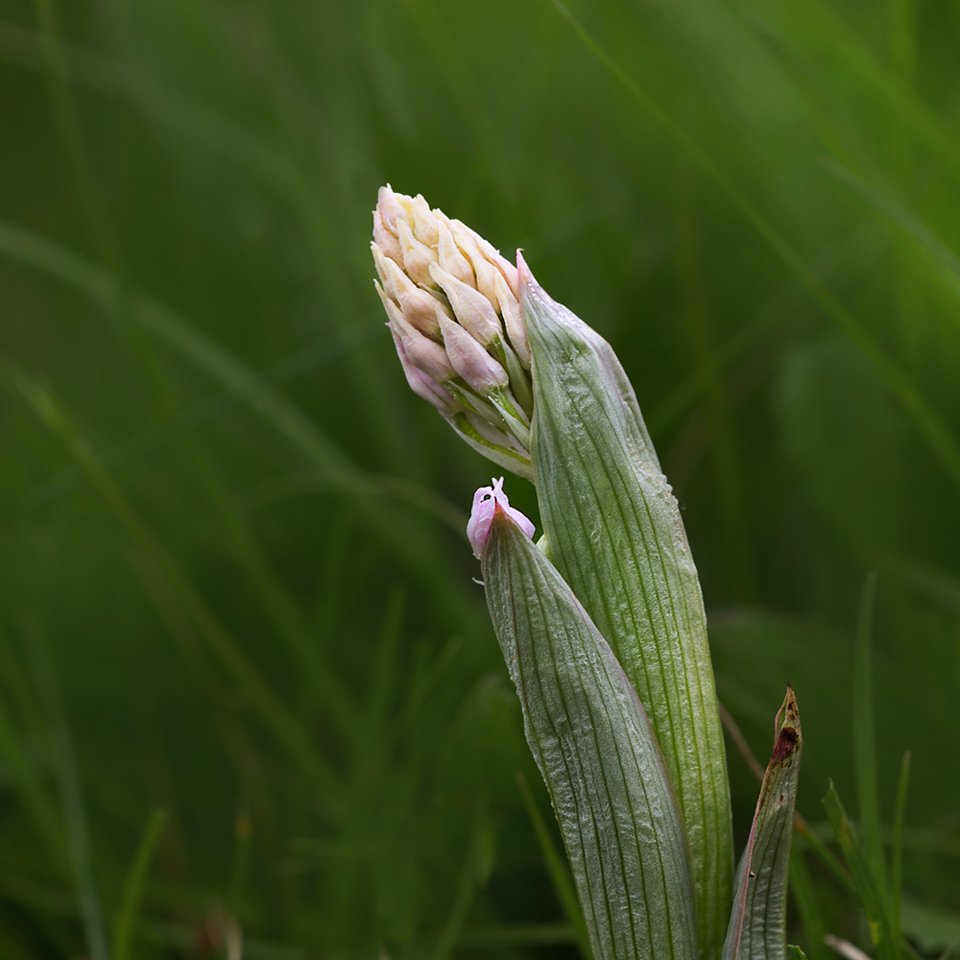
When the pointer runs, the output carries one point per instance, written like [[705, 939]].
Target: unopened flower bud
[[426, 227], [480, 371], [417, 256], [505, 267], [423, 386], [422, 309], [473, 311], [425, 354], [393, 278], [484, 270], [513, 319], [385, 240], [452, 261], [390, 209]]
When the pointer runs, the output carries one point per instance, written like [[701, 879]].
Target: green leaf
[[806, 900], [598, 755], [869, 891], [616, 537], [758, 923], [126, 920], [864, 753], [896, 853]]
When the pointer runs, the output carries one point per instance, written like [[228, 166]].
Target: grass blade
[[868, 892], [864, 748], [332, 464], [931, 426], [273, 711], [896, 855], [808, 906], [125, 923], [19, 767], [71, 796]]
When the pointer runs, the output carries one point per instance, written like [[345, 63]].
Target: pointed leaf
[[616, 537], [596, 750], [758, 924], [869, 890]]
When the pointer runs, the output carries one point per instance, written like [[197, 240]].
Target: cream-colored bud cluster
[[453, 310]]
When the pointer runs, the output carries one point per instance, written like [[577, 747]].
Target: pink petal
[[486, 502]]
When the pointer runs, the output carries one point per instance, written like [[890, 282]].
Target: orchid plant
[[601, 621]]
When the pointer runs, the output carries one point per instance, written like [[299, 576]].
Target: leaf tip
[[789, 736]]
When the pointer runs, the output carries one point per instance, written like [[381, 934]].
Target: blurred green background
[[247, 682]]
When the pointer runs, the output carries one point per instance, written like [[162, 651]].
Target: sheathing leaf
[[758, 923], [595, 747], [617, 539]]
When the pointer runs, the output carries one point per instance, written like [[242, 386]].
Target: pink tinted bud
[[419, 307], [425, 222], [422, 309], [451, 259], [470, 360], [513, 320], [384, 239], [508, 270], [390, 208], [485, 271], [394, 280], [486, 502], [471, 308], [421, 384], [417, 256], [426, 355]]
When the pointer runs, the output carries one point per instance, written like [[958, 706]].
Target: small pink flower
[[486, 502]]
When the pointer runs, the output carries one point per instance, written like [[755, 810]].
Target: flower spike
[[447, 291]]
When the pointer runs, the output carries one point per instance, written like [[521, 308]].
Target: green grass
[[233, 583]]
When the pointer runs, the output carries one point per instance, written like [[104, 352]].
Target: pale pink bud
[[508, 270], [470, 360], [426, 355], [487, 501], [513, 320], [470, 307], [422, 308], [422, 385], [392, 276], [485, 271], [426, 224], [451, 259], [384, 239], [417, 256], [390, 209], [417, 305]]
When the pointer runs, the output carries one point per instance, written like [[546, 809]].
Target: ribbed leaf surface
[[589, 734], [616, 537], [758, 923]]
